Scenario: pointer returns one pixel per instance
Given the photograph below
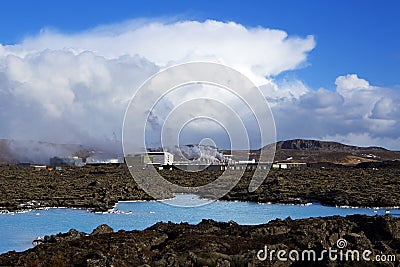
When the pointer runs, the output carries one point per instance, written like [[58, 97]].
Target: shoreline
[[112, 210], [208, 243], [100, 188]]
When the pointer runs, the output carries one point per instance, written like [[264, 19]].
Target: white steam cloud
[[74, 88]]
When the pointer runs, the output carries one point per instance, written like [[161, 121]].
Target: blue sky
[[360, 36], [329, 69]]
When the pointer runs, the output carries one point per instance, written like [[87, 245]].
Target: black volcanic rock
[[380, 164], [100, 187], [211, 243], [102, 229], [299, 144]]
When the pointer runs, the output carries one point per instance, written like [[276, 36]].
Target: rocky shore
[[91, 187], [99, 188], [211, 243]]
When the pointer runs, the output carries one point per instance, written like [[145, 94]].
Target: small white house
[[162, 158]]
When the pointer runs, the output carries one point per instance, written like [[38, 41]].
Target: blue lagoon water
[[18, 230]]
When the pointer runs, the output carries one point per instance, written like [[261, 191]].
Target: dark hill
[[303, 144], [313, 151]]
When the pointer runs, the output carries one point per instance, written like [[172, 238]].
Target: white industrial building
[[150, 158], [289, 165], [162, 158]]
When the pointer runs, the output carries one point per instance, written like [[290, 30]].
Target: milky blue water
[[17, 230]]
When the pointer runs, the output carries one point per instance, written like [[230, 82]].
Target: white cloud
[[60, 97], [258, 52], [356, 113], [386, 108], [350, 83], [74, 88]]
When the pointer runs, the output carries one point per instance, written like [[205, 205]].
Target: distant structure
[[247, 161], [39, 167], [165, 160], [151, 158], [96, 161], [289, 165], [66, 161], [249, 166]]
